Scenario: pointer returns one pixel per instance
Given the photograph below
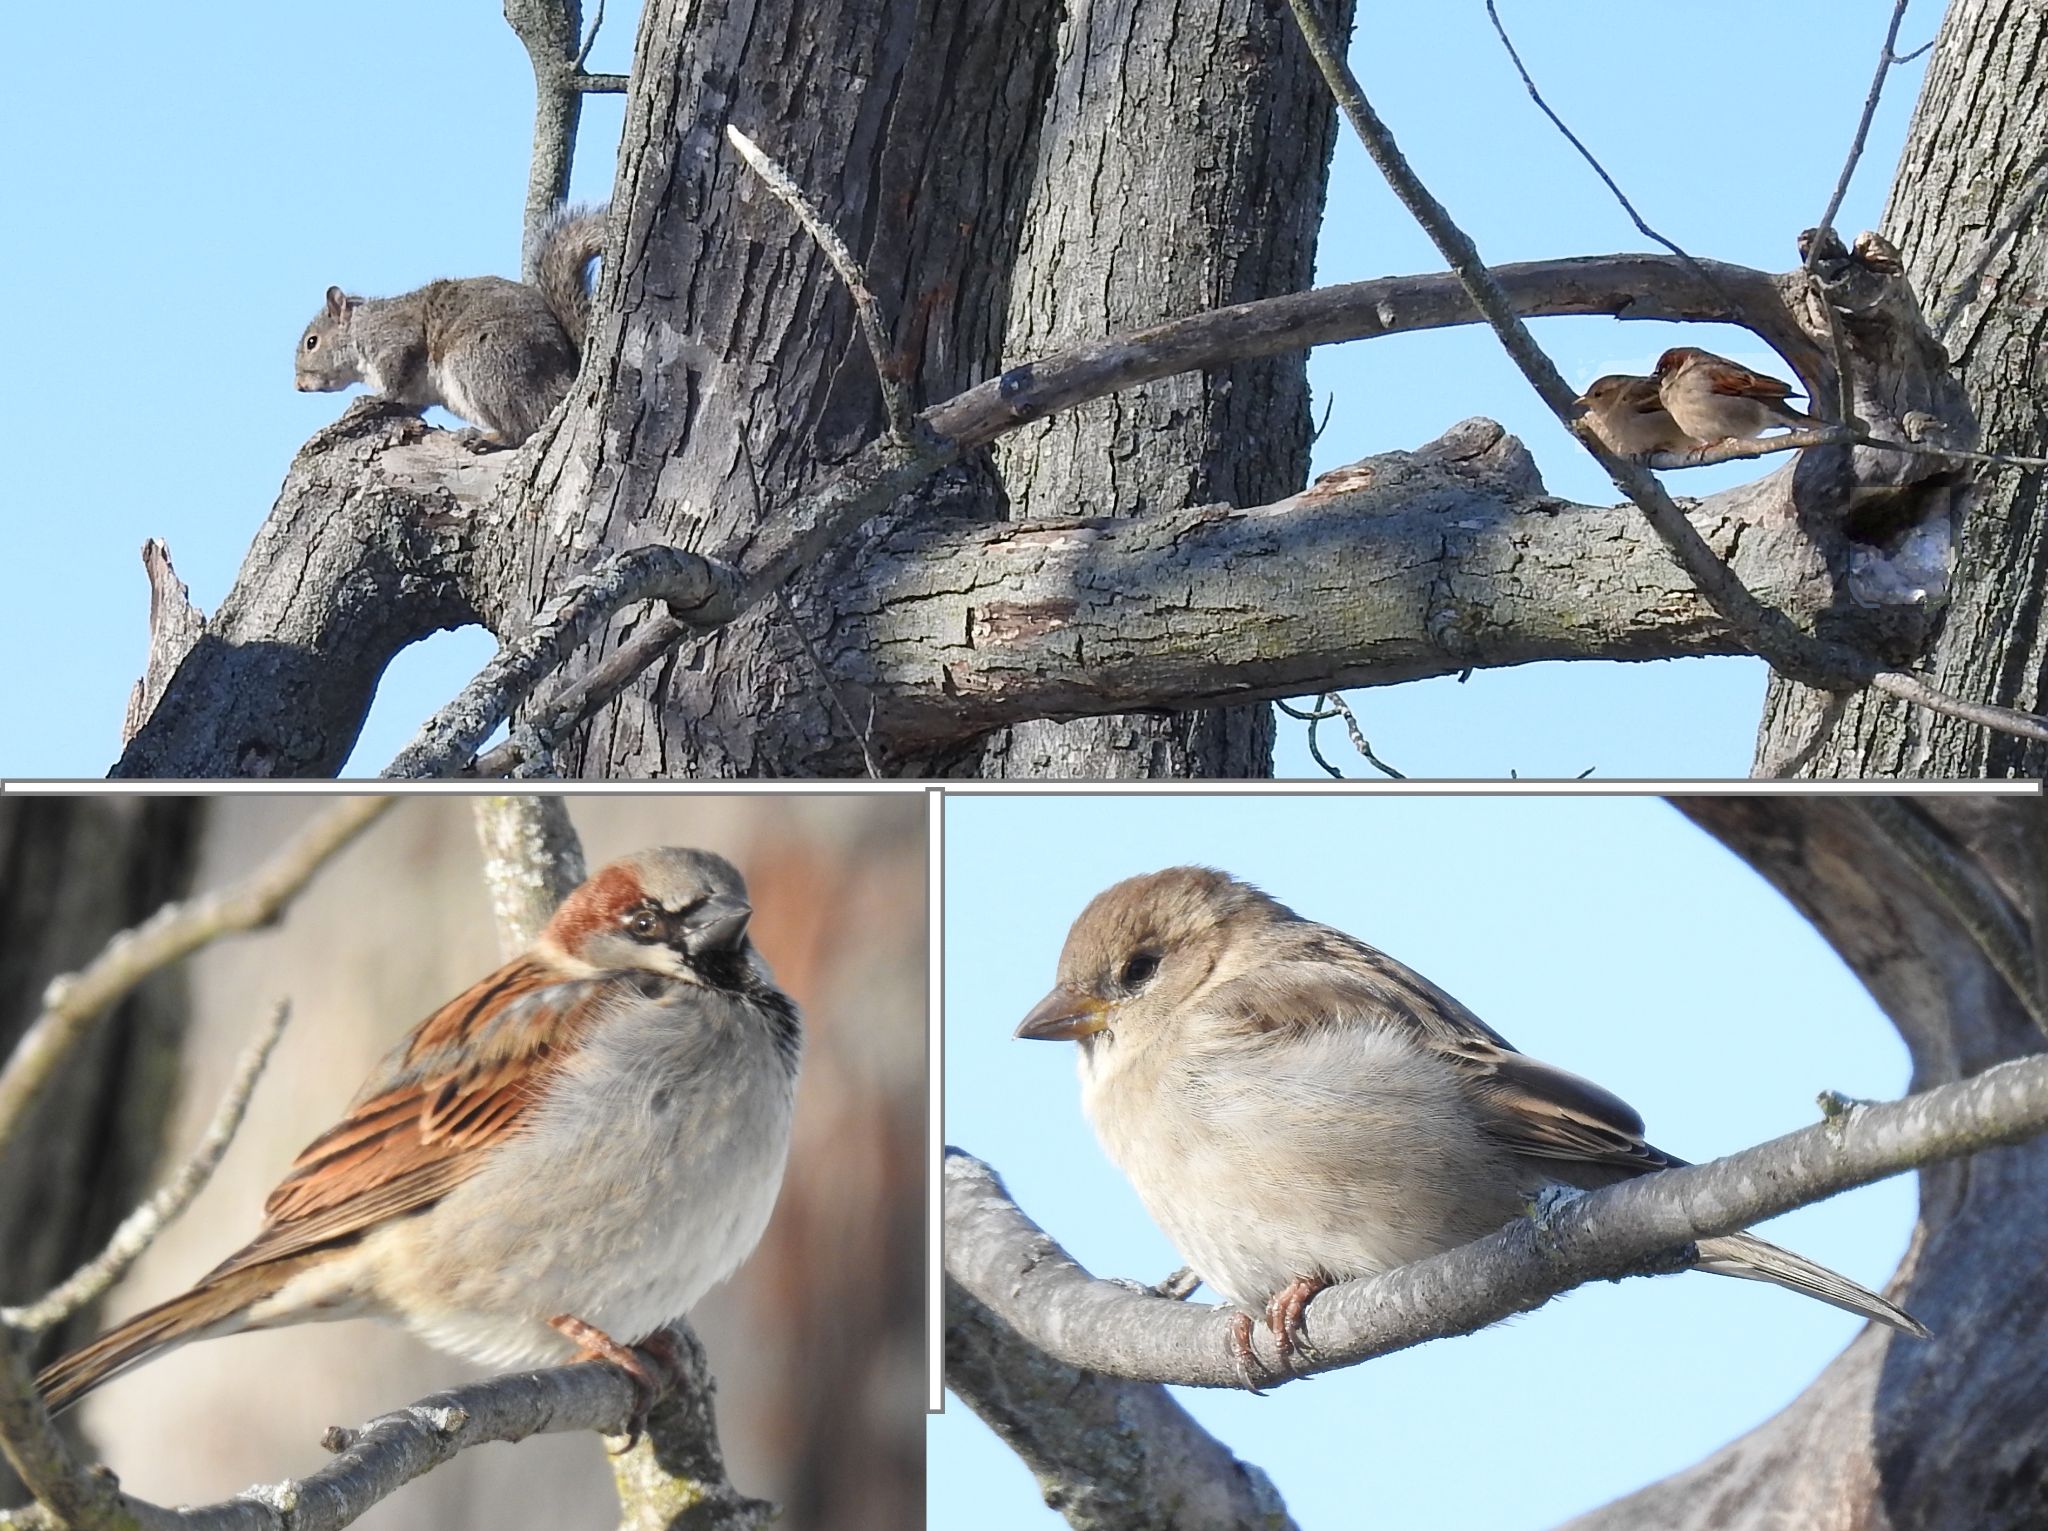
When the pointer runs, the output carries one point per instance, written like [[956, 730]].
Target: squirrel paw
[[470, 439]]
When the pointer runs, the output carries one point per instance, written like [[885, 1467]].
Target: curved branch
[[1643, 1226], [141, 1227], [1109, 1455], [71, 1003]]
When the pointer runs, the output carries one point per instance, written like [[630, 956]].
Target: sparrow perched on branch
[[1296, 1108], [561, 1159], [1625, 412], [1716, 399]]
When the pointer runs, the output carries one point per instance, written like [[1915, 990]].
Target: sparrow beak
[[1583, 402], [1064, 1016], [716, 925]]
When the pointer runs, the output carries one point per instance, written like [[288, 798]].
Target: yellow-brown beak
[[1064, 1016]]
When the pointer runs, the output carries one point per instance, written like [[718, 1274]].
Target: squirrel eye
[[642, 925], [1137, 969], [312, 342]]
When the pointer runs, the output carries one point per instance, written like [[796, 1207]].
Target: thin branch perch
[[72, 1002], [141, 1227], [1643, 1226], [873, 326]]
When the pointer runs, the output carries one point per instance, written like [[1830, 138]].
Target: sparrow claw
[[595, 1345], [1250, 1370], [1287, 1317]]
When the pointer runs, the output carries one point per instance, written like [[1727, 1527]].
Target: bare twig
[[73, 1001], [589, 38], [695, 589], [1644, 1226], [1826, 665], [1886, 58], [533, 860], [141, 1227], [1586, 154], [874, 328], [1330, 705], [1837, 336], [838, 703]]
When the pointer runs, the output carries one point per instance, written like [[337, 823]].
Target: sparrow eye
[[1137, 968], [642, 925]]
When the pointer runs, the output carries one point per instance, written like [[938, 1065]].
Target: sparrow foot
[[1251, 1371], [1286, 1316], [595, 1345]]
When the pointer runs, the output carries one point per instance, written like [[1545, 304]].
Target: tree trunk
[[1181, 167], [1973, 157], [1136, 162], [1947, 1435], [73, 872]]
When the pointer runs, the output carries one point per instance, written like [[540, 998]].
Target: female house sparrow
[[1296, 1108], [1715, 399], [575, 1148], [1625, 412]]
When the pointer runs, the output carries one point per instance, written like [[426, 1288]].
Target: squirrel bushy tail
[[573, 239]]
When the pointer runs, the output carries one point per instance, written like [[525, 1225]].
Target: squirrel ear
[[337, 303]]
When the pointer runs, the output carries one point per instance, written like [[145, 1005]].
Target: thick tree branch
[[74, 1001], [533, 860], [370, 1464], [1642, 1226], [1404, 566], [1109, 1455], [552, 33]]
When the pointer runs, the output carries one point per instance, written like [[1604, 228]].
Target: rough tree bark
[[1133, 216], [73, 871], [1973, 160]]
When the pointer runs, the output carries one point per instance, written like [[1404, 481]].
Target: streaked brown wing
[[1538, 1109], [466, 1075], [1727, 377]]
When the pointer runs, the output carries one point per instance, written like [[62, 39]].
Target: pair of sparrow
[[1296, 1108], [562, 1159], [1693, 399]]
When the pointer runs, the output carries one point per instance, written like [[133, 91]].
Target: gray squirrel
[[498, 353]]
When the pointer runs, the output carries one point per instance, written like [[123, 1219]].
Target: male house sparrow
[[1715, 399], [1296, 1108], [1625, 412], [564, 1157]]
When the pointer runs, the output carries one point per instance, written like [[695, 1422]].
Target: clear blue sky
[[1604, 934], [178, 220]]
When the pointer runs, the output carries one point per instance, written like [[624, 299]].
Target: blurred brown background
[[817, 1343]]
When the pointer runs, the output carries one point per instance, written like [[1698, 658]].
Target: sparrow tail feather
[[1747, 1256], [205, 1310]]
